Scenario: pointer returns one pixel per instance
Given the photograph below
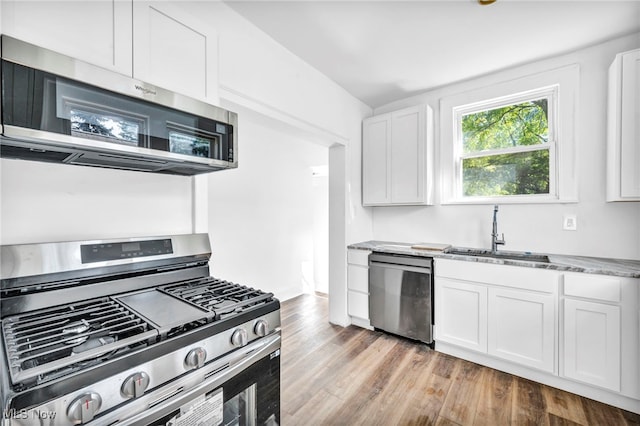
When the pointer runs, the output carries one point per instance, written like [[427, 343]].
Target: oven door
[[242, 388]]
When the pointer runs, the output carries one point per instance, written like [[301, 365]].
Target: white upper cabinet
[[175, 50], [376, 138], [397, 157], [98, 32], [623, 134], [160, 43]]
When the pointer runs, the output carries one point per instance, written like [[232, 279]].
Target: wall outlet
[[569, 222]]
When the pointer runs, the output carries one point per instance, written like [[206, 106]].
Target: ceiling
[[382, 51]]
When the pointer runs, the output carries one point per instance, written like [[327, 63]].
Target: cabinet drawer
[[358, 257], [358, 304], [358, 278], [522, 277], [592, 287]]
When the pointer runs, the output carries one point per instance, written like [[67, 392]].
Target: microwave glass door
[[42, 101]]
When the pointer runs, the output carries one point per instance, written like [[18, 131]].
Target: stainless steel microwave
[[58, 109]]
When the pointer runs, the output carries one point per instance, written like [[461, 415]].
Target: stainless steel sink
[[503, 254]]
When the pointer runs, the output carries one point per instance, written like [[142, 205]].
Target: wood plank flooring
[[351, 376]]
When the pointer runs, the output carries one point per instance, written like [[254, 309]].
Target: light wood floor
[[351, 376]]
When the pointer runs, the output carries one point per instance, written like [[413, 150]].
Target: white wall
[[320, 208], [262, 214], [604, 229], [42, 202]]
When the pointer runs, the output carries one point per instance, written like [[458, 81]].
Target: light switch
[[570, 222]]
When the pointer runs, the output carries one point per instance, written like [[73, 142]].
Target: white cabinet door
[[175, 50], [461, 314], [376, 137], [623, 137], [396, 158], [630, 126], [408, 156], [592, 343], [98, 32], [522, 327]]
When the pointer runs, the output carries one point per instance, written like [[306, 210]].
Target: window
[[511, 139], [506, 146]]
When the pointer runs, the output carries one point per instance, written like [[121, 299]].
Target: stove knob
[[261, 328], [84, 408], [195, 358], [135, 385], [239, 337]]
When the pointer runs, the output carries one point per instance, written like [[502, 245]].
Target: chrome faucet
[[495, 242]]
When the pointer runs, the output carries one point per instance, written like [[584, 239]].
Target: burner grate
[[43, 342], [221, 297]]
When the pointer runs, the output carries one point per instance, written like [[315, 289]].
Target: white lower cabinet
[[358, 287], [600, 342], [592, 343], [464, 321], [575, 331], [503, 311], [521, 327]]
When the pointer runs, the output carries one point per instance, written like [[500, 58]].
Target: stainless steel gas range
[[134, 331]]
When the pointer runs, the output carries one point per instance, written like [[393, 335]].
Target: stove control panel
[[84, 408], [125, 250], [195, 358], [135, 385]]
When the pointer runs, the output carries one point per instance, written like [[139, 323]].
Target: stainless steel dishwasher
[[401, 295]]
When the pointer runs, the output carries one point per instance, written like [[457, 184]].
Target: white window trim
[[563, 184]]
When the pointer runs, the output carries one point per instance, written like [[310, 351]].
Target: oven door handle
[[142, 411]]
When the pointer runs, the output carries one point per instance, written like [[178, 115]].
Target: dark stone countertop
[[589, 265]]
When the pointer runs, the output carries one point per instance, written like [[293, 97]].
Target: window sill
[[509, 200]]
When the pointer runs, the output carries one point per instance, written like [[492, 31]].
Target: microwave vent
[[24, 153], [119, 161]]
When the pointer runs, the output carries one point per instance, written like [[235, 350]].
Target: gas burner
[[52, 339], [221, 297], [92, 343]]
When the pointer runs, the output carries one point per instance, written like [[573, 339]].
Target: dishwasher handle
[[409, 263], [426, 270]]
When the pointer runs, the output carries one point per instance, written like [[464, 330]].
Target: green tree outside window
[[505, 150]]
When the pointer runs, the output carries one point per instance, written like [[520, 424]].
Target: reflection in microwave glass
[[189, 144], [106, 126]]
